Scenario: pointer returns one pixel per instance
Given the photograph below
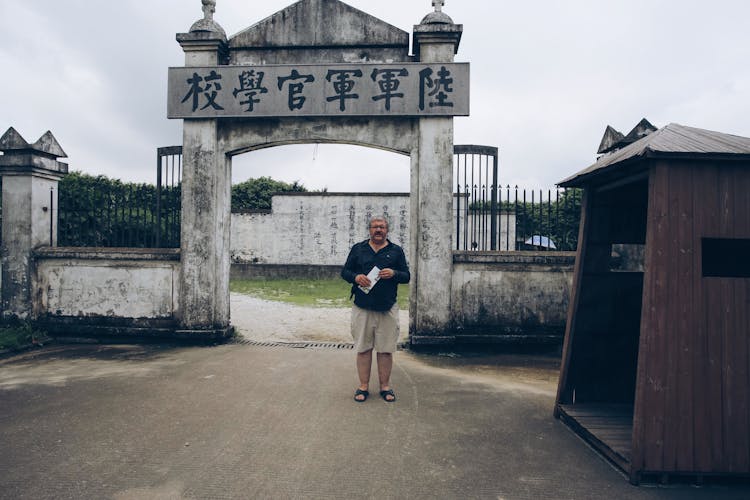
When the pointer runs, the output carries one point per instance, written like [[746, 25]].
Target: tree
[[255, 194], [557, 218]]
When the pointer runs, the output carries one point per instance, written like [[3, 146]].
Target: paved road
[[248, 421]]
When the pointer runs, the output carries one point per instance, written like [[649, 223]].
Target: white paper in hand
[[374, 277]]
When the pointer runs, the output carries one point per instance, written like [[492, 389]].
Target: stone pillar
[[30, 175], [206, 201], [436, 40]]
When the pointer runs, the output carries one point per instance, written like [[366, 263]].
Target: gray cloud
[[547, 77]]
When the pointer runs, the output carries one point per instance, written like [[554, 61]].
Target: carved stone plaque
[[397, 89]]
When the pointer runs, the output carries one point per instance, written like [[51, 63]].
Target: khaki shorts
[[377, 330]]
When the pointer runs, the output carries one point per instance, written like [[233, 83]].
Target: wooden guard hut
[[655, 361]]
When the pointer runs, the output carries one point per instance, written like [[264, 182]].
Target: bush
[[96, 211], [17, 335]]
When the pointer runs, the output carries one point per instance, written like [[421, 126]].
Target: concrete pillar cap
[[207, 23], [438, 16], [12, 143]]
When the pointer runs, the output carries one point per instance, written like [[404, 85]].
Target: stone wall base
[[244, 270], [136, 330]]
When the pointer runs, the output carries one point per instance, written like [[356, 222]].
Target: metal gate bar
[[168, 180], [476, 177]]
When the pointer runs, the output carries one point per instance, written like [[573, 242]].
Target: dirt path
[[268, 321]]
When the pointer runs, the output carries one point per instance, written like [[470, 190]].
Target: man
[[375, 323]]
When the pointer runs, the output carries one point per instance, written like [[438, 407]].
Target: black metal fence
[[523, 219], [475, 172], [489, 216], [168, 178], [96, 211], [99, 212], [545, 219]]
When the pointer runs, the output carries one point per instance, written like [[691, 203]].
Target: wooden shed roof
[[672, 141]]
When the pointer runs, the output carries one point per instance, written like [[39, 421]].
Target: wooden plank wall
[[692, 397], [564, 391]]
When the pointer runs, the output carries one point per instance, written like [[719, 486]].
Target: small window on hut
[[726, 258]]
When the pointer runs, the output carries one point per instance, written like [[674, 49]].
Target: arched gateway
[[317, 71]]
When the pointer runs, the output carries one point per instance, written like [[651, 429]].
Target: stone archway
[[269, 66]]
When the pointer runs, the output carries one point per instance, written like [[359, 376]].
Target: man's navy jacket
[[361, 260]]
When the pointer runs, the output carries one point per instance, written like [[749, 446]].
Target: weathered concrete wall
[[431, 188], [101, 287], [318, 229], [205, 223], [495, 297], [30, 173], [206, 199], [26, 225], [315, 229], [502, 296], [319, 30]]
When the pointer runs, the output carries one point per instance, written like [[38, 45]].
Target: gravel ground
[[261, 320]]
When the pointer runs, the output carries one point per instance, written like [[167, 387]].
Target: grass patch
[[18, 335], [310, 293]]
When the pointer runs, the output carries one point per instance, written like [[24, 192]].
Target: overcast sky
[[547, 76]]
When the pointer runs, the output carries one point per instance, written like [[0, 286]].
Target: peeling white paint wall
[[513, 292], [317, 230], [106, 287]]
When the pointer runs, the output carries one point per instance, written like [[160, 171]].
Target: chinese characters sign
[[406, 89]]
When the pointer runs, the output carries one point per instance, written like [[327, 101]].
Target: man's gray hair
[[379, 217]]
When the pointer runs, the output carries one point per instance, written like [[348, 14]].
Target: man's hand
[[362, 280], [386, 273]]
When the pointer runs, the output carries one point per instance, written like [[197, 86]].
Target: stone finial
[[209, 7], [437, 17], [436, 28], [207, 23]]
